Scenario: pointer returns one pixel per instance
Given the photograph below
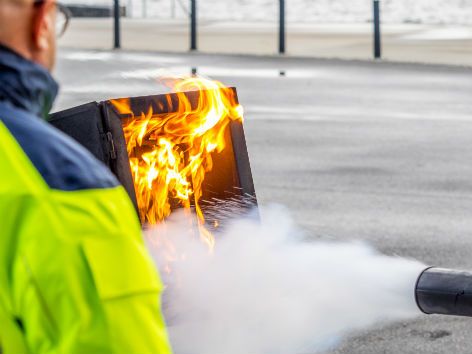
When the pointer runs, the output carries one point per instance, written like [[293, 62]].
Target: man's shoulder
[[62, 162]]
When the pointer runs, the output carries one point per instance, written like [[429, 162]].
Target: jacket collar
[[25, 84]]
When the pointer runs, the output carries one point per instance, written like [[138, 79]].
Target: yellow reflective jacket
[[75, 277]]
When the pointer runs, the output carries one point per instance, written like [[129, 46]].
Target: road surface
[[440, 44], [357, 150]]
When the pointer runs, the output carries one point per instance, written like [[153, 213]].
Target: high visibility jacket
[[75, 277]]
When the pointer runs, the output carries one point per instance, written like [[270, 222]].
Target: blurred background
[[432, 31]]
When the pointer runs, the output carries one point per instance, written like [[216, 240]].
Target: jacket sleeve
[[83, 280]]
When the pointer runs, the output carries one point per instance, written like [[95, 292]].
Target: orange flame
[[170, 153]]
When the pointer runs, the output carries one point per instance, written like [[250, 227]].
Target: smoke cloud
[[267, 289]]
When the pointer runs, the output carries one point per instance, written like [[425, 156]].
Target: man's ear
[[43, 25]]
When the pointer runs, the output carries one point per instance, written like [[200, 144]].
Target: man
[[74, 274]]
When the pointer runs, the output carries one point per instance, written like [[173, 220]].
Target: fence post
[[116, 13], [377, 35], [193, 24], [281, 26]]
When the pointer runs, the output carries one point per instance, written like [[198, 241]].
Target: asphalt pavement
[[374, 151]]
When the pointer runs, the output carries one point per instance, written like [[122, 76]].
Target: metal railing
[[192, 13], [377, 35], [193, 24], [116, 27]]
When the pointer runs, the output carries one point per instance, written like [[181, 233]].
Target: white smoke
[[267, 290]]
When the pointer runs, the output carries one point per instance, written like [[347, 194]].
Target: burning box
[[182, 149]]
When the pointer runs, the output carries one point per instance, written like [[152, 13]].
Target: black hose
[[444, 291]]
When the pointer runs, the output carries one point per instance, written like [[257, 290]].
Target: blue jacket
[[75, 277]]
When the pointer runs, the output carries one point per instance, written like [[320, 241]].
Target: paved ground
[[373, 151], [405, 43]]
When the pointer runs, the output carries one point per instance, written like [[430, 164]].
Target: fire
[[170, 153]]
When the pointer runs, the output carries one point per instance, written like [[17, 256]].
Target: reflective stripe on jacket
[[75, 277]]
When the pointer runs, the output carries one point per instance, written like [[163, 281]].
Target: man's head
[[29, 28]]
